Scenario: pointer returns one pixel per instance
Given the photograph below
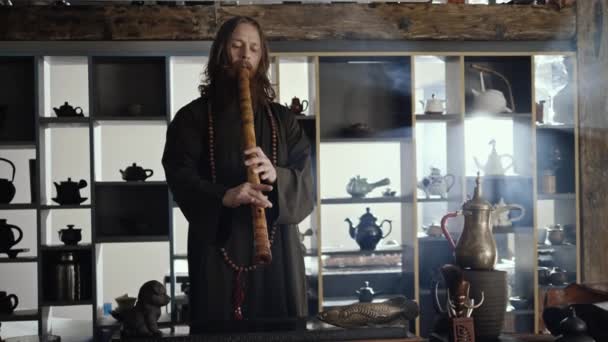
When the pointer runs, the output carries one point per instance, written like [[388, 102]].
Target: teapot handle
[[450, 176], [304, 107], [12, 165], [522, 211], [77, 112], [390, 227], [509, 157], [18, 230], [13, 306], [150, 171], [445, 230]]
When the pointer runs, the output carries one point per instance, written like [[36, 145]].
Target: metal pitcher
[[476, 248], [67, 272]]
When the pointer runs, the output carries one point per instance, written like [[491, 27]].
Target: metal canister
[[548, 182], [67, 272]]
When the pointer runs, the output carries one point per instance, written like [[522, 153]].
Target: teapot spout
[[56, 110], [351, 229], [56, 185]]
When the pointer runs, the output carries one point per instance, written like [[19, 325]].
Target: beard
[[226, 89]]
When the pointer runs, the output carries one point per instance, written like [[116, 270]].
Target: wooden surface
[[388, 21], [592, 41]]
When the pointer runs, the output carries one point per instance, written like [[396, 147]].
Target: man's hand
[[262, 165], [247, 193]]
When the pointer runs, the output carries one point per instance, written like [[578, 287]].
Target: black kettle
[[368, 233], [7, 188]]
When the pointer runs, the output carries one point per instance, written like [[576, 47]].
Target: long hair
[[219, 62]]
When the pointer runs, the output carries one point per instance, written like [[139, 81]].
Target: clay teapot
[[67, 110], [8, 303], [493, 165], [435, 184], [70, 236], [366, 293], [7, 238], [68, 192], [136, 173], [433, 105], [296, 106], [359, 187], [7, 188], [367, 233]]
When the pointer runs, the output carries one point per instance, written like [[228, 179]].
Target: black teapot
[[8, 303], [366, 293], [136, 173], [67, 110], [70, 236], [68, 192], [7, 238], [368, 233], [7, 188], [296, 106], [573, 329]]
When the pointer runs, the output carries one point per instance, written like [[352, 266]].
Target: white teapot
[[433, 105], [491, 101], [493, 165], [501, 213]]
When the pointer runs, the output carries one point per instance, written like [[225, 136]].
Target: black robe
[[274, 291]]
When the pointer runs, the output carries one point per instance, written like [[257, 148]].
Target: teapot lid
[[367, 216], [366, 288], [134, 166], [556, 226], [477, 202], [65, 105]]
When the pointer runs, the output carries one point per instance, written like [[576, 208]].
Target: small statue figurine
[[141, 320]]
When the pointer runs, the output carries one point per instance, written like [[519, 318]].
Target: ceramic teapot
[[136, 173], [67, 110], [558, 276], [367, 233], [500, 215], [359, 187], [7, 188], [556, 234], [435, 184], [296, 106], [433, 105], [7, 238], [573, 329], [70, 236], [366, 293], [493, 165], [491, 101], [433, 230], [68, 192], [8, 303], [476, 248]]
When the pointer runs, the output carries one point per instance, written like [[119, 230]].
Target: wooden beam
[[592, 41], [386, 21]]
